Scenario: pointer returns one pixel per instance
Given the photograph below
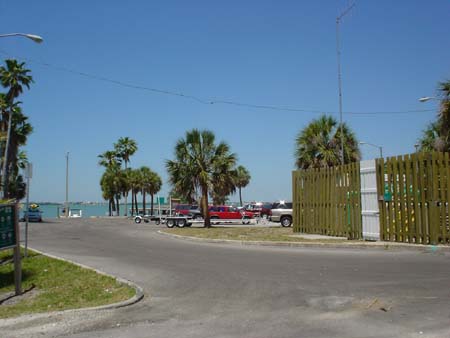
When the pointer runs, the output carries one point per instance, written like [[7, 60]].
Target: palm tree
[[134, 181], [242, 179], [125, 147], [109, 159], [107, 186], [146, 177], [20, 130], [197, 159], [318, 144], [437, 135], [153, 186], [224, 181], [113, 181], [430, 139], [13, 77]]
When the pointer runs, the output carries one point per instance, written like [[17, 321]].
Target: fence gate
[[327, 201], [415, 196], [369, 201]]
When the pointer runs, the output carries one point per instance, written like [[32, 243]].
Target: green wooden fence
[[414, 195], [327, 201]]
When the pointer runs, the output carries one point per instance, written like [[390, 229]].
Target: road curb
[[133, 300], [334, 245]]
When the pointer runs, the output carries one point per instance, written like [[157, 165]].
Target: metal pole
[[27, 209], [338, 53], [381, 152], [67, 185], [17, 261]]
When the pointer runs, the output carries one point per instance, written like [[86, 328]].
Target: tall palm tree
[[125, 147], [113, 181], [20, 130], [318, 144], [197, 158], [153, 186], [437, 135], [146, 176], [14, 76], [242, 179]]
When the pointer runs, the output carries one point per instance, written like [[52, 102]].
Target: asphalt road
[[219, 290]]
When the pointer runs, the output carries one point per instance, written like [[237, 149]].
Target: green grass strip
[[272, 234], [58, 285]]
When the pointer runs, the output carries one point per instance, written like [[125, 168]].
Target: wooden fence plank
[[434, 224], [415, 198], [409, 204], [442, 197], [403, 229], [379, 167], [446, 230]]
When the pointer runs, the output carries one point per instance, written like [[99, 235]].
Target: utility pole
[[338, 53], [67, 185], [29, 174]]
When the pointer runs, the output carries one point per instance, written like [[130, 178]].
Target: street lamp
[[428, 98], [37, 39], [374, 145]]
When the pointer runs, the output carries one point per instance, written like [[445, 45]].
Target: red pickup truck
[[224, 212]]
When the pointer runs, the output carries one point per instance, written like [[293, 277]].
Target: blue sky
[[259, 52]]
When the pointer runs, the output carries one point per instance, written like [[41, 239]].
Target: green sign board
[[7, 226]]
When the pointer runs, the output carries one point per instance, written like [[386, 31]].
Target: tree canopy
[[319, 144], [201, 164], [437, 134]]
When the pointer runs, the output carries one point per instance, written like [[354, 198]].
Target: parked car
[[188, 210], [261, 209], [34, 215], [229, 213], [282, 212]]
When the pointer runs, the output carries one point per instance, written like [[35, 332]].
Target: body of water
[[88, 210]]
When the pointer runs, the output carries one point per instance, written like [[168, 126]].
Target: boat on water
[[73, 213]]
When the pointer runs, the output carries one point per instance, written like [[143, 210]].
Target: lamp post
[[374, 145], [428, 98], [338, 53], [37, 39], [66, 211]]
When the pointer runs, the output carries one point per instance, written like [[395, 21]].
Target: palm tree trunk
[[143, 201], [240, 196], [132, 203], [205, 207], [136, 202], [113, 205], [126, 194], [151, 205], [118, 204], [5, 158]]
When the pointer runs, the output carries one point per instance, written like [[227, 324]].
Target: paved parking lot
[[214, 290]]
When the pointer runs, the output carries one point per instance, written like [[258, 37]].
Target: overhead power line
[[208, 101]]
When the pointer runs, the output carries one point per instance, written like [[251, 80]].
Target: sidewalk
[[322, 241]]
